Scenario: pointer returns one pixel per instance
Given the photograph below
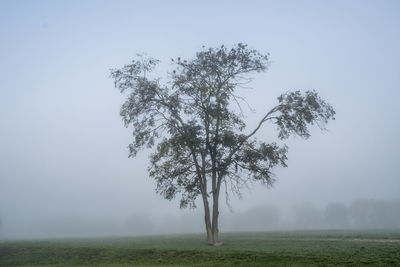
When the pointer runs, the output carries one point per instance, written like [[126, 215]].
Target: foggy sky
[[63, 146]]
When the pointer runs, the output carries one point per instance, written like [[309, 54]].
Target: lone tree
[[200, 134]]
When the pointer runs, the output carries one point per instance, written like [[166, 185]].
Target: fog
[[64, 170], [362, 214]]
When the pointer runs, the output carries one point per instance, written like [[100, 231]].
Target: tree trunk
[[212, 225], [215, 229], [207, 220]]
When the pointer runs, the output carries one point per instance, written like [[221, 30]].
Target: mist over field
[[64, 166], [362, 214]]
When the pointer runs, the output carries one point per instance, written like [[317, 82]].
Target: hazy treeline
[[360, 214]]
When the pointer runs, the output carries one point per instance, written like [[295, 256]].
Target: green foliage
[[297, 111], [199, 134]]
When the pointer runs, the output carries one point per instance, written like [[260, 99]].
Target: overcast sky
[[63, 146]]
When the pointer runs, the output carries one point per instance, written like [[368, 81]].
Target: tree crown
[[197, 133]]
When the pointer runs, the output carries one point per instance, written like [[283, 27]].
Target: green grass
[[289, 248]]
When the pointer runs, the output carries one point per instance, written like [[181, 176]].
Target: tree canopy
[[200, 136]]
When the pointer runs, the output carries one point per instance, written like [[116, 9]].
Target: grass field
[[289, 248]]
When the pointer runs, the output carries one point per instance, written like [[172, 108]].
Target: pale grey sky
[[63, 145]]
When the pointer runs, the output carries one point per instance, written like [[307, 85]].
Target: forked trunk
[[211, 223]]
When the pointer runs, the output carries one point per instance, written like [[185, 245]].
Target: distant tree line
[[360, 214]]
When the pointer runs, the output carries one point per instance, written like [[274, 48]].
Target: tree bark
[[215, 229], [207, 220], [211, 223]]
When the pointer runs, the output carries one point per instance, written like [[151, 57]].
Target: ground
[[289, 248]]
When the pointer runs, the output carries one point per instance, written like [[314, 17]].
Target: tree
[[200, 135]]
